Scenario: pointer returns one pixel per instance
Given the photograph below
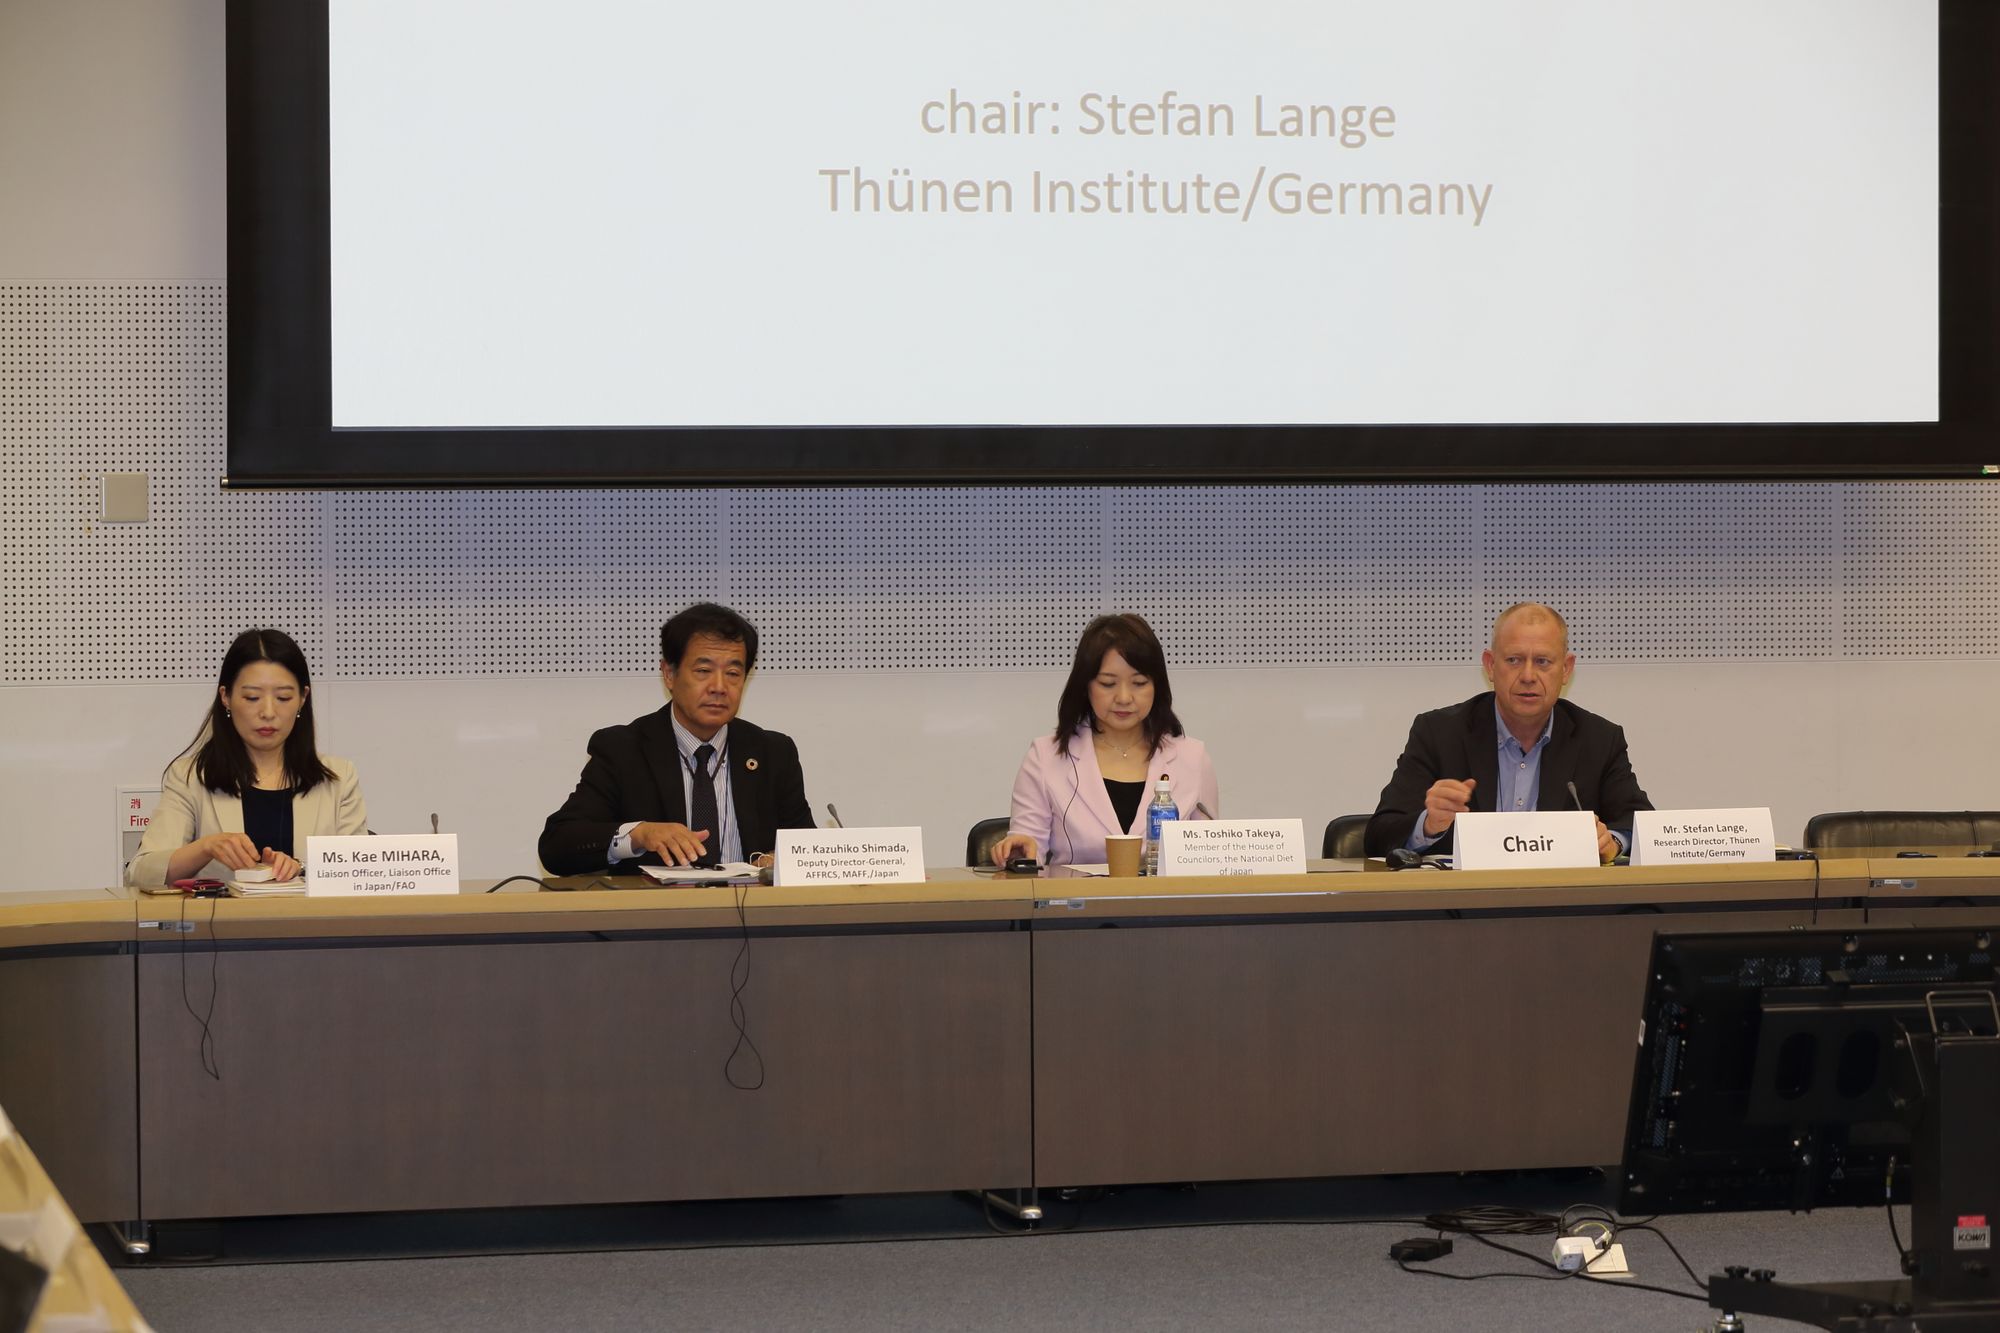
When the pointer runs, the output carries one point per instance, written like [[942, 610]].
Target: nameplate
[[389, 865], [1531, 840], [849, 856], [1233, 847], [1687, 837]]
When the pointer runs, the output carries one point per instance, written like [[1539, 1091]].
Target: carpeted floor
[[827, 1264]]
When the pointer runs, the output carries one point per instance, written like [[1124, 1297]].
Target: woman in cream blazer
[[1116, 735], [252, 787]]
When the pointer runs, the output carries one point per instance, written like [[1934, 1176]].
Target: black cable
[[206, 1047], [1584, 1273], [1490, 1243], [1588, 1212], [1555, 1275], [1626, 1283], [1889, 1207], [1693, 1276], [519, 879], [1494, 1221], [1482, 1223], [1075, 786], [739, 979], [1408, 1267]]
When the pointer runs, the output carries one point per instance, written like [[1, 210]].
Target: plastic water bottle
[[1159, 812]]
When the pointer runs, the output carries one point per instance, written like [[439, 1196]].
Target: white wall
[[111, 145], [1807, 648]]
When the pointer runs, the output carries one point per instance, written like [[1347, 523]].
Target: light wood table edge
[[104, 917], [93, 1278], [1427, 890], [586, 911]]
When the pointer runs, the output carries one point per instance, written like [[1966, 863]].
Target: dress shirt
[[1520, 778], [727, 840]]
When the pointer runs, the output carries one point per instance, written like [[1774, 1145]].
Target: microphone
[[1579, 802], [1203, 810], [434, 823], [834, 815]]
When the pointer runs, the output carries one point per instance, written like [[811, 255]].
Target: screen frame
[[280, 431]]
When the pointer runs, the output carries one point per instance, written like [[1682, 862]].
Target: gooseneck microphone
[[1203, 810], [1579, 805], [834, 815]]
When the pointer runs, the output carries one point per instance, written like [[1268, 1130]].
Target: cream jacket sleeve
[[188, 810], [174, 825]]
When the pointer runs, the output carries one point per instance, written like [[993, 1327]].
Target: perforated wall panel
[[1920, 570], [513, 582], [129, 377], [925, 578], [1672, 571], [98, 378], [1316, 576]]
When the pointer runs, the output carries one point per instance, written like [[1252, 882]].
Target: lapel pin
[[750, 765]]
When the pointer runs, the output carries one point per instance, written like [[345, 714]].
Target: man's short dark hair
[[707, 618]]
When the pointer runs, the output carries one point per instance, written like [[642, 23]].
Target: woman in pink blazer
[[1116, 734]]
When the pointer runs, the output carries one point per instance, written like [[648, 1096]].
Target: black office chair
[[1903, 829], [1346, 838], [979, 842]]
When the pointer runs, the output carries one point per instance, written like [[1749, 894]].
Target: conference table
[[192, 1059]]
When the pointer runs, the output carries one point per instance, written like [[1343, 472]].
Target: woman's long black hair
[[223, 762]]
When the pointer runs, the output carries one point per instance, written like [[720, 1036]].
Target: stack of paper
[[729, 872], [284, 888]]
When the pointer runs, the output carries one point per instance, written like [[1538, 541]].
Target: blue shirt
[[730, 846], [1520, 770], [1520, 786]]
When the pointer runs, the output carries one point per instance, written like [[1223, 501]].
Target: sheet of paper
[[729, 872]]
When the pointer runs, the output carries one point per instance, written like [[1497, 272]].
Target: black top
[[1125, 798], [267, 819]]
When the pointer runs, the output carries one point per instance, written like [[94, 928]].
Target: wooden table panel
[[538, 1048], [67, 1073], [1244, 1051], [486, 1074]]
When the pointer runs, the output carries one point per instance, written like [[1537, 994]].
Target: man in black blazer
[[1453, 760], [691, 784]]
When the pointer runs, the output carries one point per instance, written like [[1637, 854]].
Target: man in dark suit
[[692, 784], [1516, 747]]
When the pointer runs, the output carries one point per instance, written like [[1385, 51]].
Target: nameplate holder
[[388, 865], [849, 856], [1233, 847], [1529, 840], [1693, 837]]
